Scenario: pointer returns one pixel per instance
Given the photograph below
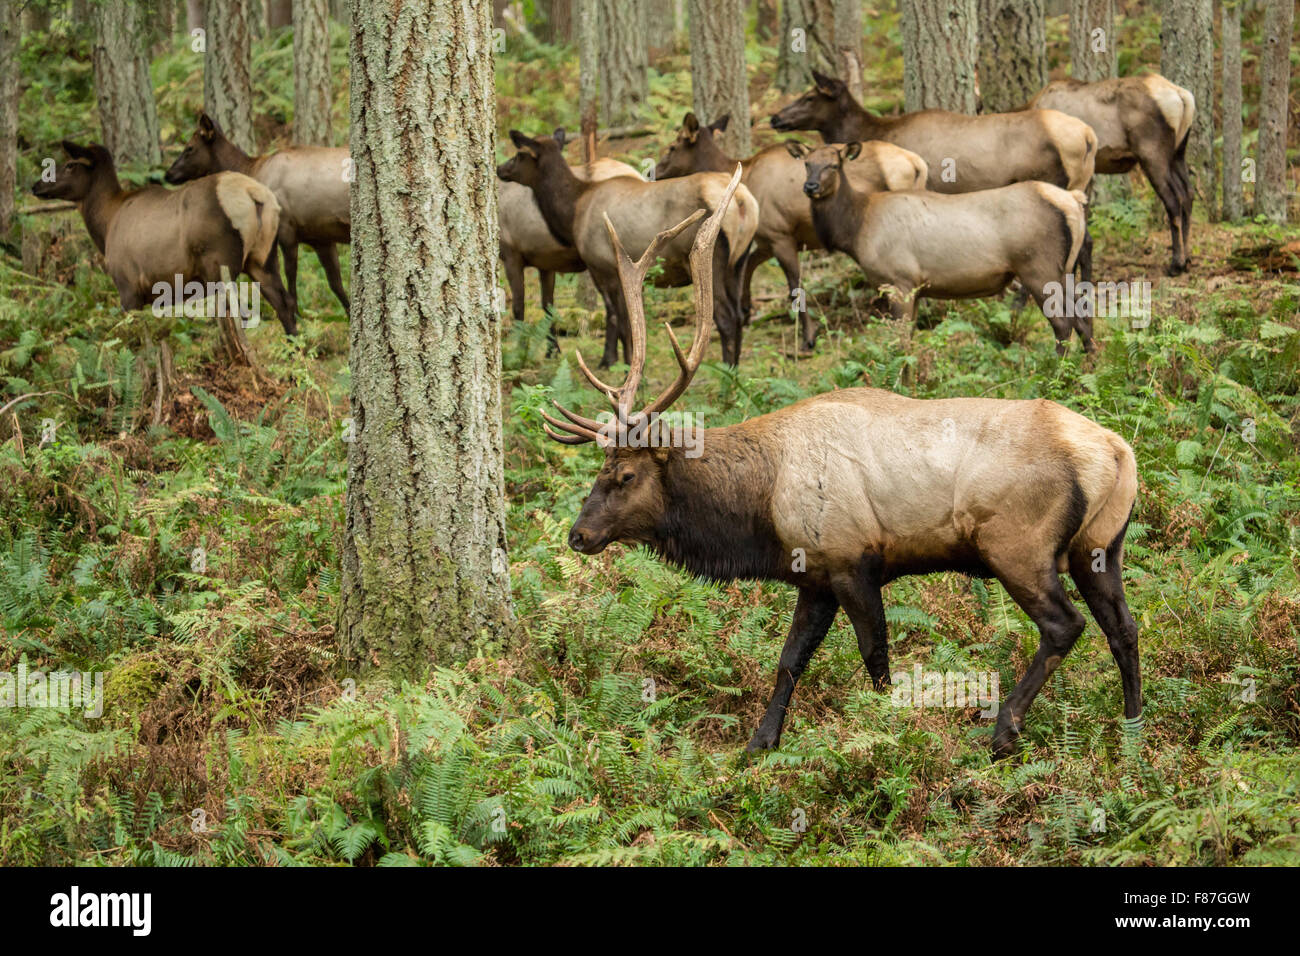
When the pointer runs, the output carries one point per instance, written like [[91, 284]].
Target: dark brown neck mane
[[852, 122], [231, 159], [557, 192], [838, 217], [100, 205]]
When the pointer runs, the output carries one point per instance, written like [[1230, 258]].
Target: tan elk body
[[844, 492], [776, 179]]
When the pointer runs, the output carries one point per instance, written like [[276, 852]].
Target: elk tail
[[254, 213]]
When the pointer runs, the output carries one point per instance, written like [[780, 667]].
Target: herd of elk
[[841, 493]]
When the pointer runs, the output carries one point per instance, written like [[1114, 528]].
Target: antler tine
[[587, 423], [702, 281], [631, 276], [575, 434]]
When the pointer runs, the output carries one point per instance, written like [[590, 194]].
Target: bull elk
[[864, 486], [149, 236], [310, 183], [527, 242], [574, 211], [964, 153], [1139, 120], [776, 179], [969, 245]]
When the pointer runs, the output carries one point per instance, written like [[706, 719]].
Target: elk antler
[[631, 276]]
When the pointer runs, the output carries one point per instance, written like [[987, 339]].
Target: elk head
[[199, 157], [527, 165], [816, 109], [628, 500], [75, 179], [823, 166], [694, 149]]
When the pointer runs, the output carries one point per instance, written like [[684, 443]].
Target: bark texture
[[1013, 53], [424, 569], [624, 77], [193, 15], [1230, 31], [227, 68], [940, 50], [1187, 58], [311, 72], [807, 43], [9, 37], [279, 13], [848, 44], [588, 74], [718, 82], [1092, 40], [127, 113], [1271, 186]]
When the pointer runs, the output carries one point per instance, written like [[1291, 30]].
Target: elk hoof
[[762, 740], [1175, 269], [1005, 737]]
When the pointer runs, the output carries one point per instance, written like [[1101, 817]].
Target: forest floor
[[609, 726]]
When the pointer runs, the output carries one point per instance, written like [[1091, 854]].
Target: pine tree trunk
[[279, 14], [806, 43], [127, 114], [660, 28], [193, 16], [1230, 31], [227, 68], [768, 18], [718, 81], [1275, 80], [848, 44], [1092, 40], [311, 72], [940, 50], [10, 35], [166, 25], [1013, 53], [341, 11], [1187, 58], [624, 79], [424, 567], [588, 74]]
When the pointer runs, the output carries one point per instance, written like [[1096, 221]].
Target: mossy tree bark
[[1230, 17], [227, 68], [940, 50], [1274, 88], [1012, 53], [718, 83], [624, 77], [806, 43], [127, 113], [1092, 40], [424, 569], [311, 72]]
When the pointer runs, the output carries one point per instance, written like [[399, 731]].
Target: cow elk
[[575, 211], [964, 153], [929, 245], [841, 493], [310, 183], [149, 236], [1139, 120], [527, 242], [776, 179]]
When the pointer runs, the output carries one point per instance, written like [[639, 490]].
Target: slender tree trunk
[[624, 79], [166, 25], [311, 72], [807, 43], [424, 566], [940, 50], [1013, 53], [10, 35], [768, 20], [848, 44], [1187, 58], [1231, 41], [559, 19], [660, 27], [588, 74], [127, 113], [1274, 91], [279, 14], [36, 16], [227, 68], [1092, 40], [193, 16], [718, 82], [341, 11]]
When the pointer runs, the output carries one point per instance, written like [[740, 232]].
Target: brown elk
[[310, 183], [842, 493], [924, 244], [574, 211], [964, 153], [1139, 120], [776, 180], [148, 236], [527, 242]]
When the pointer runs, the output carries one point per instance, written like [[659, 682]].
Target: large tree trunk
[[806, 43], [624, 79], [279, 13], [424, 567], [10, 34], [1275, 83], [1013, 53], [848, 44], [661, 31], [1187, 58], [311, 72], [588, 74], [227, 68], [193, 16], [1233, 204], [127, 113], [1092, 40], [939, 54], [768, 20], [718, 80]]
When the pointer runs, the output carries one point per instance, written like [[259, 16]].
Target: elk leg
[[613, 298], [1180, 169], [787, 256], [267, 276], [328, 254], [1161, 179], [514, 266], [726, 304], [1104, 593], [1062, 325], [290, 272], [547, 279], [761, 252], [813, 615], [859, 595]]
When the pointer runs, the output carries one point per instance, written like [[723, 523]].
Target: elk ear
[[851, 151], [560, 136], [796, 149], [720, 124], [75, 151], [691, 127], [827, 85], [523, 143], [207, 128]]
